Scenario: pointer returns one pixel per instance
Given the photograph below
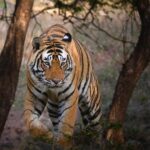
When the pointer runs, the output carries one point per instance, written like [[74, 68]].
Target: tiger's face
[[52, 63]]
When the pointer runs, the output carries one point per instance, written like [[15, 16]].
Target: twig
[[4, 16], [113, 37], [43, 10]]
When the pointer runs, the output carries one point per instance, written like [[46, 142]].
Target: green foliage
[[109, 145], [115, 126], [133, 131], [93, 2], [141, 92], [76, 6], [90, 133], [30, 143], [78, 9], [44, 139], [87, 139], [1, 4]]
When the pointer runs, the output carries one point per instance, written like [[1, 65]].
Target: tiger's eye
[[49, 57], [62, 58]]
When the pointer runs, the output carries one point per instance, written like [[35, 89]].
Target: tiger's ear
[[67, 37], [36, 43]]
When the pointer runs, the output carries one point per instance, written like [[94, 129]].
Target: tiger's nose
[[56, 81]]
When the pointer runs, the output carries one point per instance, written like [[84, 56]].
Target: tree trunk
[[130, 75], [11, 56]]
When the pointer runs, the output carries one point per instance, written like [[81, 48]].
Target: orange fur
[[78, 88]]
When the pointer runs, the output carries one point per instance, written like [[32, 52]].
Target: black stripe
[[59, 46], [59, 114], [87, 74], [56, 106], [66, 89], [95, 114], [38, 111], [95, 124], [85, 102], [81, 54], [80, 98], [98, 104], [44, 93], [49, 47], [39, 53], [52, 113], [55, 123], [36, 72], [50, 51], [66, 98], [53, 116], [35, 61], [38, 61], [86, 112], [58, 50], [93, 98], [41, 100], [69, 64], [67, 108], [99, 101], [53, 105], [85, 120]]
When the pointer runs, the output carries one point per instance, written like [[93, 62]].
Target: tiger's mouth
[[49, 83], [53, 83]]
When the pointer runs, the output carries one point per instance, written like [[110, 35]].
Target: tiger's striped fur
[[60, 75]]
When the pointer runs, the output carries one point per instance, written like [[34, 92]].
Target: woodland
[[117, 34]]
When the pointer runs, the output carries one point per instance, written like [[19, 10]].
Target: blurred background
[[110, 32]]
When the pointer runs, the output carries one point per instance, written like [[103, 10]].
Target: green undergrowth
[[1, 4]]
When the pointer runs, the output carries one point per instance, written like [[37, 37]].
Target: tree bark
[[11, 56], [130, 75]]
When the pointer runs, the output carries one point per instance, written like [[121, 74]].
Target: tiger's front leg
[[67, 121], [33, 109]]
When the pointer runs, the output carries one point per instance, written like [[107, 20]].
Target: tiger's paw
[[40, 131]]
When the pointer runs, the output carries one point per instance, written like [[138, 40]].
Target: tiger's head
[[52, 63]]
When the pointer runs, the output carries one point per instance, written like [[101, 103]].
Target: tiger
[[60, 77]]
